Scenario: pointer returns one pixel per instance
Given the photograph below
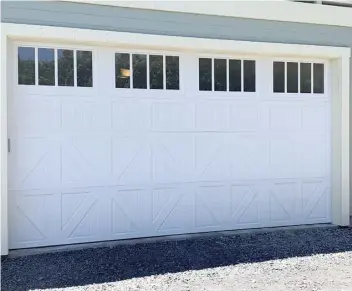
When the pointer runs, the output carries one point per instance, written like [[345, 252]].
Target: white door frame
[[340, 72]]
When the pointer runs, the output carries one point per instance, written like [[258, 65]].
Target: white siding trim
[[3, 146], [267, 10], [340, 74], [340, 90]]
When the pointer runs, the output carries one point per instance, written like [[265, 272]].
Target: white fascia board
[[279, 10], [163, 42]]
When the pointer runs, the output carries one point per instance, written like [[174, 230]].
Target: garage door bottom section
[[113, 213]]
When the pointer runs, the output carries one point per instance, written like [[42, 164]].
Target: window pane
[[139, 71], [292, 77], [249, 76], [306, 78], [122, 71], [46, 67], [84, 69], [235, 75], [26, 66], [156, 74], [220, 75], [279, 77], [205, 74], [172, 73], [65, 67], [318, 78]]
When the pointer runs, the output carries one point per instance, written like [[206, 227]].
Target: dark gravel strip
[[104, 265]]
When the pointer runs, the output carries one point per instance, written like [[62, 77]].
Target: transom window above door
[[141, 71], [232, 75], [55, 67], [298, 77]]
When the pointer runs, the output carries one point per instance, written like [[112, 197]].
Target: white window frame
[[149, 53], [312, 61], [56, 89], [227, 92]]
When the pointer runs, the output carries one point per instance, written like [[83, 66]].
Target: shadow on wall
[[99, 265]]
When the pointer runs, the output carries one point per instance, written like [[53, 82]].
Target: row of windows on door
[[74, 68]]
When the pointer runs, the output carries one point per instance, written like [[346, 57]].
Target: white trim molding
[[259, 9], [339, 57], [3, 144]]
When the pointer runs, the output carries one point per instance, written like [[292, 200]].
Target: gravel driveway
[[311, 259]]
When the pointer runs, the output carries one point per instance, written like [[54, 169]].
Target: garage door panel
[[315, 199], [127, 211], [283, 155], [81, 220], [85, 115], [284, 201], [177, 214], [316, 117], [166, 116], [212, 206], [86, 161], [131, 115], [173, 157], [212, 157], [248, 156], [313, 155], [35, 116], [131, 160], [244, 203], [32, 210], [213, 116], [245, 116], [34, 163], [285, 117]]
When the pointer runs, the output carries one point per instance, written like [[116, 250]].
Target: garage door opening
[[112, 144]]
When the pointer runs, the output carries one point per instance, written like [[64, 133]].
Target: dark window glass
[[46, 67], [26, 66], [249, 76], [172, 73], [292, 77], [205, 74], [156, 74], [279, 77], [84, 69], [220, 75], [122, 71], [139, 71], [306, 78], [318, 73], [65, 67], [235, 75]]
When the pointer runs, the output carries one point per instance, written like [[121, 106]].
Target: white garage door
[[109, 144]]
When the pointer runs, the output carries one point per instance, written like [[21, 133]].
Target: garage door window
[[51, 66], [227, 75], [46, 66], [26, 66], [65, 67], [141, 71], [84, 69], [295, 77]]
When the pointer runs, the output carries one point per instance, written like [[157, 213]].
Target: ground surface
[[313, 259]]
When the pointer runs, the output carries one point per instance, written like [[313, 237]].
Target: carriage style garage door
[[112, 144]]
